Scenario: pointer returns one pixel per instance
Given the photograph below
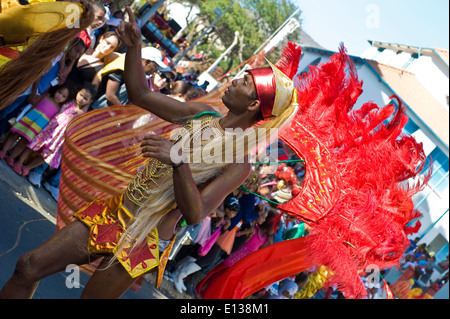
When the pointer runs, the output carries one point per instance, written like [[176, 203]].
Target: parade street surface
[[27, 219]]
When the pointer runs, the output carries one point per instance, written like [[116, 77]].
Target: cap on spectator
[[290, 287], [153, 54]]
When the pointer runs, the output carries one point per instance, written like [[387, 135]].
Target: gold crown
[[285, 90]]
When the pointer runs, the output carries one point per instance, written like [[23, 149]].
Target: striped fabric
[[101, 152], [7, 54]]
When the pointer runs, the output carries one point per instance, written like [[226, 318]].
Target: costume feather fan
[[368, 206], [368, 224]]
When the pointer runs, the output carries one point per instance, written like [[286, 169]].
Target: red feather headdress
[[265, 79], [356, 196], [368, 222]]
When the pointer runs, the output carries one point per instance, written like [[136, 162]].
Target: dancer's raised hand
[[129, 32], [157, 147]]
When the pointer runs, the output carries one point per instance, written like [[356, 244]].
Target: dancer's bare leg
[[108, 281], [67, 246]]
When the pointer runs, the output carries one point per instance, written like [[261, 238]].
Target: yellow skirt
[[107, 220]]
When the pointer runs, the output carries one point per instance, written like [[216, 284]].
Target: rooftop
[[442, 54], [416, 96], [407, 87]]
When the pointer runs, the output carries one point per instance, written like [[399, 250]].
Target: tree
[[255, 20]]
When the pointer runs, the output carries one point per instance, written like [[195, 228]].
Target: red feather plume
[[368, 223], [412, 230], [289, 59]]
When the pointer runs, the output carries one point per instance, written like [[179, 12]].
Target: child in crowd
[[183, 91], [194, 92], [32, 124], [61, 66], [178, 90], [47, 145]]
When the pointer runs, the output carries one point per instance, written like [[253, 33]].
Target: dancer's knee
[[27, 269]]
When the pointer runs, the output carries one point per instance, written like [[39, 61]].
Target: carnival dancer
[[132, 229]]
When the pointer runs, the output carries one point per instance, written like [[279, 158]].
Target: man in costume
[[133, 231]]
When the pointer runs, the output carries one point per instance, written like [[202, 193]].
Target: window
[[410, 127], [439, 178], [439, 245], [442, 253]]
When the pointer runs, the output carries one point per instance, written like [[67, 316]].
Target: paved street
[[27, 217]]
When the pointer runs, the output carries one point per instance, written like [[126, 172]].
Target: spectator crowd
[[88, 75]]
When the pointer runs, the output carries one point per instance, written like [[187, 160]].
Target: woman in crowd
[[93, 60]]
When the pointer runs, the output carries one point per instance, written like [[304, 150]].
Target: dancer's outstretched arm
[[161, 105]]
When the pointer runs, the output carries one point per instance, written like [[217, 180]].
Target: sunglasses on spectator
[[165, 77]]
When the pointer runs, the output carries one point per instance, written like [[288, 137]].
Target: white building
[[420, 78]]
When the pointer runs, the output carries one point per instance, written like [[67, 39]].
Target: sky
[[416, 23]]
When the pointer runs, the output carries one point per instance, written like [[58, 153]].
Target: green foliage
[[255, 20]]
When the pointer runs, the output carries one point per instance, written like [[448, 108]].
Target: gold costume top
[[194, 135]]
